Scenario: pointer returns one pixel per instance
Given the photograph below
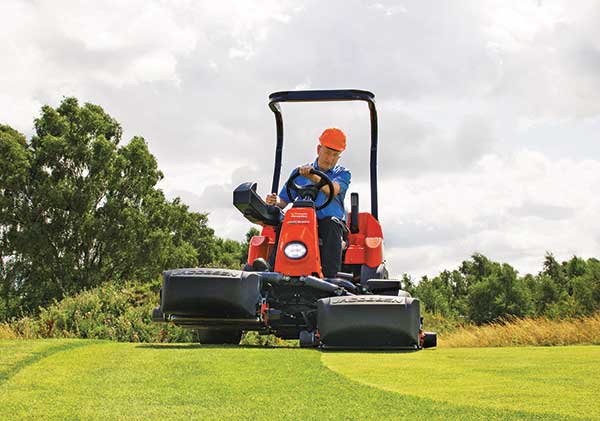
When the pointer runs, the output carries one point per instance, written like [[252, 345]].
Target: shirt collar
[[316, 166]]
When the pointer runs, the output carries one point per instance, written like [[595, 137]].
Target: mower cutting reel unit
[[357, 309]]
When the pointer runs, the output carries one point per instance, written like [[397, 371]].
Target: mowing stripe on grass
[[18, 354], [117, 380], [541, 380]]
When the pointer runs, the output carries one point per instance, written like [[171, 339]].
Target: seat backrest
[[366, 245]]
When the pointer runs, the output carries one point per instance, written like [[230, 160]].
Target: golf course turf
[[109, 380]]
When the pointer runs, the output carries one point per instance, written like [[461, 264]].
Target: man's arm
[[305, 172]]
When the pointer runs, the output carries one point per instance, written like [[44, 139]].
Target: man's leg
[[331, 233]]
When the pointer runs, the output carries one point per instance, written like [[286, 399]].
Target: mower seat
[[365, 238], [365, 247]]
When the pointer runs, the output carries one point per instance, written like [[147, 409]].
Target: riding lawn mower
[[359, 308]]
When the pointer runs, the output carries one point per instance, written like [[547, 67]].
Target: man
[[331, 219]]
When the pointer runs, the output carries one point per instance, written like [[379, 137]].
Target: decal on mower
[[368, 299]]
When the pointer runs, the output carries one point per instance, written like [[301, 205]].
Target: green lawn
[[556, 380], [85, 379]]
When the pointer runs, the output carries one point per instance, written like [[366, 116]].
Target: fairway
[[91, 379]]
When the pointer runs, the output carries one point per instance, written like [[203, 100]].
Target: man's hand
[[272, 199], [305, 172]]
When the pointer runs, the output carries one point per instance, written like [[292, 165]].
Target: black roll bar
[[325, 96]]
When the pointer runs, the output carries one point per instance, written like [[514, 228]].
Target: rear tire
[[219, 337], [429, 339]]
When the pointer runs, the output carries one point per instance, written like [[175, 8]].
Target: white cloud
[[487, 111], [510, 208]]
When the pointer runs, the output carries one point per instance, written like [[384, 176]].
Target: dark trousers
[[331, 234]]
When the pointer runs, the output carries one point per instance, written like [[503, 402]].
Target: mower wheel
[[219, 337], [429, 339], [308, 339]]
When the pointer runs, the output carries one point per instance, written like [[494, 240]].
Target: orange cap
[[333, 138]]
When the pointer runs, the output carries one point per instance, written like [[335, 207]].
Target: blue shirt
[[338, 174]]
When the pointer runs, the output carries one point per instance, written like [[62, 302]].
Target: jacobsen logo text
[[367, 299]]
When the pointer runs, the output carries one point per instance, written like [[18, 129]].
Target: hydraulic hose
[[309, 281]]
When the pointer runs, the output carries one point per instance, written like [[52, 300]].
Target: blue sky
[[489, 112]]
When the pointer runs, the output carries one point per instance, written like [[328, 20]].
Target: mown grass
[[549, 380], [18, 354], [527, 332], [109, 380]]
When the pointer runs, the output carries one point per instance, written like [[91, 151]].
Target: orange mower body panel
[[363, 248], [299, 225]]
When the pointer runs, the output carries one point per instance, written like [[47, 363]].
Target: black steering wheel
[[310, 190]]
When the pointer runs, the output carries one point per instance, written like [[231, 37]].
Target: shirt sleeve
[[343, 179], [283, 193]]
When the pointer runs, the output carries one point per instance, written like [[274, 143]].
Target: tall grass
[[6, 332], [527, 332]]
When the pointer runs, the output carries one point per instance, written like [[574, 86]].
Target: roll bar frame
[[326, 96]]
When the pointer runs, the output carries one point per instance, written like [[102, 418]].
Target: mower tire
[[429, 339]]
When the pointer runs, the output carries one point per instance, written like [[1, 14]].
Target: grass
[[538, 380], [523, 332], [57, 379]]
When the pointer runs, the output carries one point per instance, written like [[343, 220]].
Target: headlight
[[295, 250]]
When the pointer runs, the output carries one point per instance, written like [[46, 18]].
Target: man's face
[[326, 157]]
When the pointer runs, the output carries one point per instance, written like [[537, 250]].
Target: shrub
[[118, 313]]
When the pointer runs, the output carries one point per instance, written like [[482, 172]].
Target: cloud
[[487, 112], [511, 208]]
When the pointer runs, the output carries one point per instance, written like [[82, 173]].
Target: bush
[[118, 313]]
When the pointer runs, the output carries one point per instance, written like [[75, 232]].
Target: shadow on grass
[[38, 356], [168, 346], [367, 351]]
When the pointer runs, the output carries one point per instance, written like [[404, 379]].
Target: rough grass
[[6, 332], [57, 379], [527, 332]]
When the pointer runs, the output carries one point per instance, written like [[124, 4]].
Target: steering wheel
[[310, 190]]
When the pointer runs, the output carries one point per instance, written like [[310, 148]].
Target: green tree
[[77, 209], [499, 294], [14, 168], [434, 294]]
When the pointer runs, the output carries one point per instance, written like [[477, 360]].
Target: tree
[[434, 295], [14, 167], [232, 254], [77, 209], [498, 295]]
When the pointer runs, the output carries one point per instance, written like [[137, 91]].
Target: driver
[[331, 219]]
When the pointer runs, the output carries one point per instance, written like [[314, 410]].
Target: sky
[[489, 112]]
